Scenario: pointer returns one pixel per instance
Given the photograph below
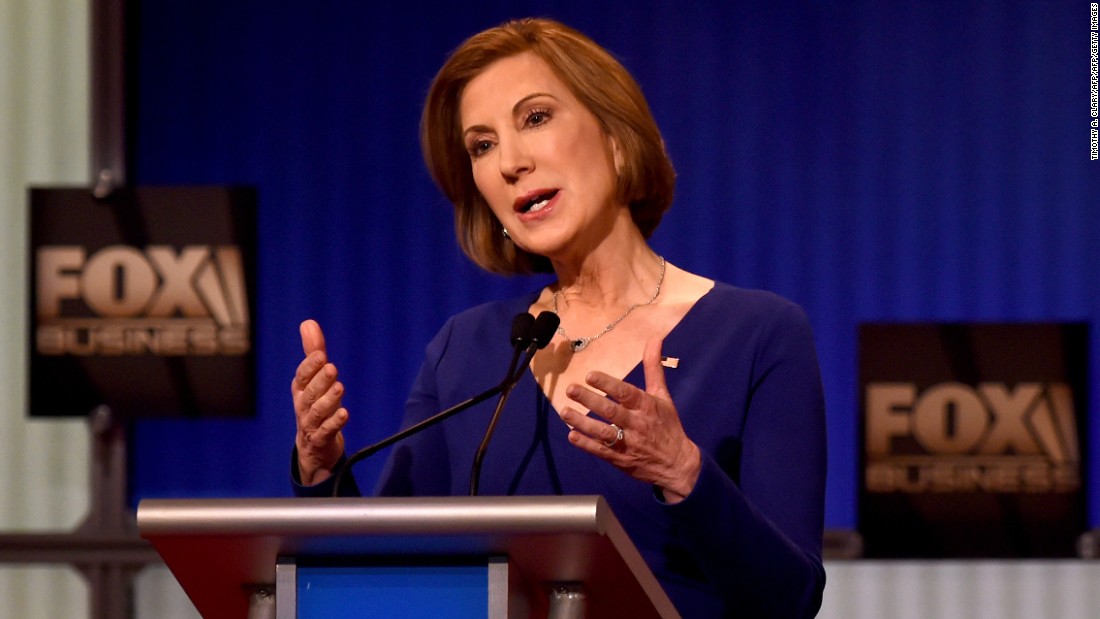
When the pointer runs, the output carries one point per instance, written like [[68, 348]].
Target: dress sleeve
[[756, 526], [348, 487]]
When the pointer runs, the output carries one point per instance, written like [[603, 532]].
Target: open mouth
[[537, 202]]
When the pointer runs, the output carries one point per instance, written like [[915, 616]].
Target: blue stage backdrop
[[872, 161]]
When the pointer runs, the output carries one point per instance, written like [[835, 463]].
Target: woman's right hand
[[317, 407]]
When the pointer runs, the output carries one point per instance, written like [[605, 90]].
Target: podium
[[490, 557]]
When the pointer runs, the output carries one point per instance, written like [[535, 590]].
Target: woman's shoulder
[[751, 303], [715, 295], [495, 310], [486, 320], [748, 323]]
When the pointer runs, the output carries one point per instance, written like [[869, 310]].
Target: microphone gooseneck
[[528, 335], [541, 332]]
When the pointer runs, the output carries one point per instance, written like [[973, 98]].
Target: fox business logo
[[121, 300], [954, 437]]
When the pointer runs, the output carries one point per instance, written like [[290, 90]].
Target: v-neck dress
[[747, 541]]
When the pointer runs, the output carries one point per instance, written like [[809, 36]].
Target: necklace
[[579, 344]]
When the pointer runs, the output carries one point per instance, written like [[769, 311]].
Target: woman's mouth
[[535, 201]]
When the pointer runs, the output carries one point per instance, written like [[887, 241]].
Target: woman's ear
[[617, 154]]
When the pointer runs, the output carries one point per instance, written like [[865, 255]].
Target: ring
[[618, 436]]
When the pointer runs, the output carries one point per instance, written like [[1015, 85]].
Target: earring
[[504, 233]]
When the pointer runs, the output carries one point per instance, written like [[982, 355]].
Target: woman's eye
[[537, 117], [479, 147]]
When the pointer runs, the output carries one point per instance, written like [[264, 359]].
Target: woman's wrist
[[311, 474], [314, 477], [687, 473]]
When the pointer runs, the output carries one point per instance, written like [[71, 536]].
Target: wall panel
[[43, 141]]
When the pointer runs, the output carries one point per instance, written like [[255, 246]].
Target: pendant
[[578, 345]]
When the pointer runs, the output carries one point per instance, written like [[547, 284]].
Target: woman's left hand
[[653, 447]]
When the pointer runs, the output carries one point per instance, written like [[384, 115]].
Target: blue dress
[[747, 541]]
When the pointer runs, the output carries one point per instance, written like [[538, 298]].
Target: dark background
[[973, 524], [872, 161], [169, 385]]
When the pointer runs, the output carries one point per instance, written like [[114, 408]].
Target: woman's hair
[[601, 83]]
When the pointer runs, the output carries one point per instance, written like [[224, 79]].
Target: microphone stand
[[509, 381], [535, 333], [505, 391], [541, 333]]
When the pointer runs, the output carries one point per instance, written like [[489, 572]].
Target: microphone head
[[545, 327], [522, 325]]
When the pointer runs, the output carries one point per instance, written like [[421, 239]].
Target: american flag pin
[[670, 362]]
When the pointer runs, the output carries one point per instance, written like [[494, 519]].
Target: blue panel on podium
[[393, 591]]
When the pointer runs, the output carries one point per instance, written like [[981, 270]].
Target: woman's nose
[[515, 159]]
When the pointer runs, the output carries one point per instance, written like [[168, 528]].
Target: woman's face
[[539, 157]]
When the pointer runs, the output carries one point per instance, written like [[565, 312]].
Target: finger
[[589, 426], [317, 387], [594, 402], [322, 446], [331, 426], [597, 438], [620, 391], [570, 416], [595, 446], [306, 370], [654, 371], [312, 337], [322, 435], [326, 406]]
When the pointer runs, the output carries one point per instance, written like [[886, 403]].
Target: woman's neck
[[616, 274]]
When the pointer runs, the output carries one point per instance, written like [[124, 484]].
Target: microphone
[[528, 334], [540, 335], [546, 325], [522, 335], [521, 330]]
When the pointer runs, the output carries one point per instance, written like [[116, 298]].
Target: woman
[[707, 428]]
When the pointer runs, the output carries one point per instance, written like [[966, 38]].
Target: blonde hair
[[600, 83]]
